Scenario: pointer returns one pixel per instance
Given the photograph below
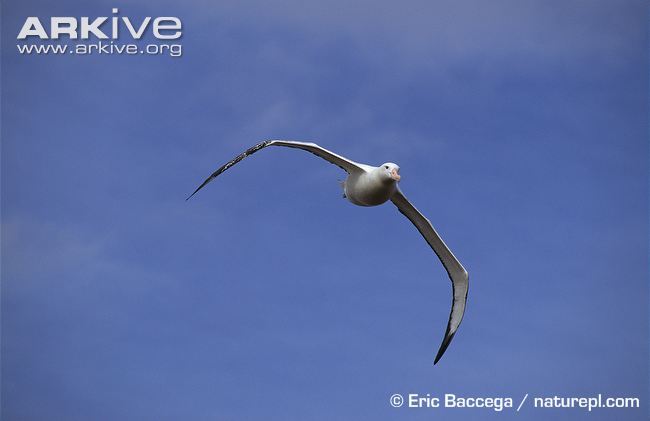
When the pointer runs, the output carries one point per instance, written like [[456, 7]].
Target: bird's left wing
[[457, 273], [344, 163]]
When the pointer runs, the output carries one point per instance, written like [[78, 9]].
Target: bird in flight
[[366, 185]]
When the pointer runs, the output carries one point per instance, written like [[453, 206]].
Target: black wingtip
[[201, 186], [443, 347], [232, 162]]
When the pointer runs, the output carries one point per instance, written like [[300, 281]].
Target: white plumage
[[371, 186]]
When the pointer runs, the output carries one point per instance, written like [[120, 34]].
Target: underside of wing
[[457, 273], [344, 163]]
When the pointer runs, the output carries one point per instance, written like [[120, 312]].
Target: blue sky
[[521, 131]]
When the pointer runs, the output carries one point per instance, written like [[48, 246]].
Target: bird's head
[[389, 172]]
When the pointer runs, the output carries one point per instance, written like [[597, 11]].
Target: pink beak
[[394, 175]]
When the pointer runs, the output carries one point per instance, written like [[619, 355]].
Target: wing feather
[[342, 162], [457, 273]]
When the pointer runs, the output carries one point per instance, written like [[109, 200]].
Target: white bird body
[[367, 185]]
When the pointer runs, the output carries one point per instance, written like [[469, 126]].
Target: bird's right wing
[[457, 273], [347, 165]]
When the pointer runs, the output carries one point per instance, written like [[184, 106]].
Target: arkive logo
[[163, 27], [84, 29]]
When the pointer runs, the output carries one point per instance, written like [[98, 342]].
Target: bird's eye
[[386, 167]]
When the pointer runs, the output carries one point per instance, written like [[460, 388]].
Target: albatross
[[367, 185]]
